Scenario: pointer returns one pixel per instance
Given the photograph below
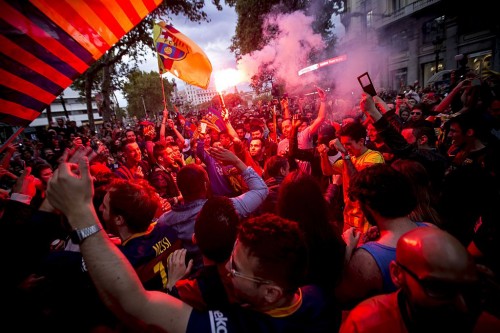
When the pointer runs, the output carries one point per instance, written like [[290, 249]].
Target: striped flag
[[46, 44], [181, 56]]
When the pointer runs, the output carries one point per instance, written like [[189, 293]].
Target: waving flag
[[46, 44], [213, 119], [180, 56]]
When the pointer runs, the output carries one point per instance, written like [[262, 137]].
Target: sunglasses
[[438, 289], [234, 273], [417, 113]]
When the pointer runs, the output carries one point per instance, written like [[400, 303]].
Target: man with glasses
[[270, 252], [438, 291]]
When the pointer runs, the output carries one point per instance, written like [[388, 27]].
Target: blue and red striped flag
[[45, 45], [181, 56], [213, 119]]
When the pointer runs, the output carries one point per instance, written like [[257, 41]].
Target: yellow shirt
[[353, 217]]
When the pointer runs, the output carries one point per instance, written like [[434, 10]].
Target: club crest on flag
[[181, 56], [169, 50]]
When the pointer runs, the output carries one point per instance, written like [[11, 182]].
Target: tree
[[106, 74], [231, 100], [144, 91], [249, 35]]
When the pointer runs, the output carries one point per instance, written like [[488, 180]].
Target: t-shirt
[[353, 217], [313, 313], [376, 314]]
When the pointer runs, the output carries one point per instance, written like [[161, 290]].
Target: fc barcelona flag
[[46, 44], [180, 56]]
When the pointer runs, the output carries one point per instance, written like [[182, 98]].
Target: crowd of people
[[310, 215]]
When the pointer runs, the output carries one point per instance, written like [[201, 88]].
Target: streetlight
[[112, 107], [437, 42], [144, 104]]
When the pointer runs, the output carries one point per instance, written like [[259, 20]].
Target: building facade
[[76, 109], [196, 95], [423, 36]]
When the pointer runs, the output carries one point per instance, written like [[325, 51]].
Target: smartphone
[[203, 128], [366, 83]]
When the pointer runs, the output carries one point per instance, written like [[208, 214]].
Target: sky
[[214, 38]]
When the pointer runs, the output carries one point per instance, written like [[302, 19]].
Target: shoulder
[[370, 157], [376, 314], [362, 260]]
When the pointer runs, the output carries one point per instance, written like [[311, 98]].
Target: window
[[433, 30]]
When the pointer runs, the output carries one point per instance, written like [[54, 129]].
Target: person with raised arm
[[266, 269]]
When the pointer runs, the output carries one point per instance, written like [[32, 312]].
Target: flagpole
[[163, 92], [12, 138]]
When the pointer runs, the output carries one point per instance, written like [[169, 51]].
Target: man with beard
[[385, 197], [134, 167], [438, 290], [256, 151]]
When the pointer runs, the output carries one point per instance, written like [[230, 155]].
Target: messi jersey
[[148, 253]]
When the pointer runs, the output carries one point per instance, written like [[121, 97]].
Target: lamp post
[[144, 104], [113, 114], [437, 42]]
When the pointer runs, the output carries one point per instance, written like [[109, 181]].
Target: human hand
[[335, 143], [284, 103], [165, 113], [5, 172], [70, 189], [11, 148], [296, 121], [224, 114], [372, 234], [367, 104], [75, 155], [26, 184], [322, 149], [176, 267], [170, 123], [321, 93], [351, 237], [224, 155]]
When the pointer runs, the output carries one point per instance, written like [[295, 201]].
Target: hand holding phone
[[366, 83], [203, 127]]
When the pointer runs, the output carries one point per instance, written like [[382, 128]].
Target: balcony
[[403, 12]]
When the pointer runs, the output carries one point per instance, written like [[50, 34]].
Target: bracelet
[[346, 157], [323, 100]]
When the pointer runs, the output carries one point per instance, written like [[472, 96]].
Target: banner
[[181, 56], [214, 120], [45, 45]]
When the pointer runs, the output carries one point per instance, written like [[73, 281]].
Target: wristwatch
[[346, 157], [79, 235]]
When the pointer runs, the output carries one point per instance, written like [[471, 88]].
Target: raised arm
[[295, 152], [443, 106], [171, 124], [285, 108], [230, 130], [248, 202], [321, 113], [70, 190], [9, 151], [163, 123]]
